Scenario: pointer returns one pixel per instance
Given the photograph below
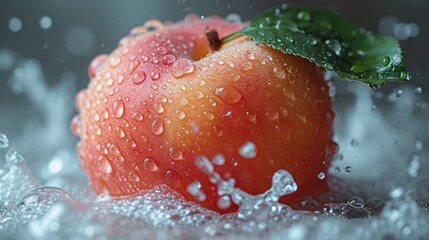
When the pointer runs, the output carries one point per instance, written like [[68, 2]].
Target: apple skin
[[162, 98]]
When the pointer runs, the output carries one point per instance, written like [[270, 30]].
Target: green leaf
[[329, 41]]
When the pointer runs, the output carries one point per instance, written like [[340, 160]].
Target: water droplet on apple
[[149, 164], [279, 72], [246, 66], [157, 126], [133, 177], [172, 178], [114, 62], [175, 154], [120, 132], [181, 67], [118, 108], [168, 59], [139, 77], [104, 164], [155, 75], [228, 94], [137, 116], [159, 108], [180, 114]]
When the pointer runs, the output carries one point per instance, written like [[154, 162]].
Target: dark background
[[83, 29]]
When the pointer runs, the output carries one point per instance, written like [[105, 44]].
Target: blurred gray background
[[64, 36]]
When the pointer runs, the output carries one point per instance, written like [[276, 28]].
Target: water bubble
[[354, 143], [321, 176], [228, 94], [149, 164], [118, 108], [348, 169], [415, 165], [386, 61], [13, 157], [248, 150], [4, 142], [45, 22], [15, 24], [175, 154], [334, 45], [139, 77], [157, 127], [418, 90], [203, 163], [182, 67], [356, 203], [396, 192]]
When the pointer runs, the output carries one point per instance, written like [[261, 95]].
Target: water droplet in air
[[321, 176], [304, 16], [104, 164], [418, 90], [149, 164], [175, 154], [118, 108], [415, 165], [399, 93], [157, 127], [228, 94], [248, 150], [203, 163], [218, 159], [181, 67], [194, 189], [172, 178], [283, 183], [224, 202], [334, 46], [419, 144], [4, 142], [139, 77]]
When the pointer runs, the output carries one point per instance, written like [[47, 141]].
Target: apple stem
[[213, 38]]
